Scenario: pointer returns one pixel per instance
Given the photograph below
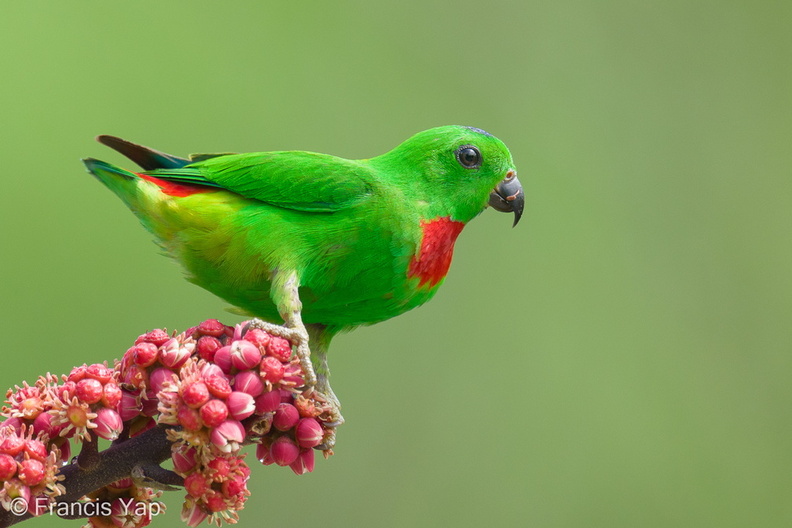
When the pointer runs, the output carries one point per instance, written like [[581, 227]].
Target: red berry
[[207, 347], [36, 449], [111, 395], [272, 369], [158, 337], [8, 467], [212, 327], [279, 348], [135, 376], [233, 487], [215, 501], [99, 372], [219, 468], [77, 373], [214, 412], [31, 472], [145, 354], [89, 390], [258, 337], [195, 394], [196, 484], [218, 385], [189, 418]]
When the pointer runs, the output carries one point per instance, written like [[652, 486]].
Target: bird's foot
[[316, 387]]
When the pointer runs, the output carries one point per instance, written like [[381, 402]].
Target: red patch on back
[[178, 190], [432, 261]]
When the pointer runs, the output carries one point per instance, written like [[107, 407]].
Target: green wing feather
[[303, 181]]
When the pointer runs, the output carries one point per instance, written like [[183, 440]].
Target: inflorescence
[[213, 388]]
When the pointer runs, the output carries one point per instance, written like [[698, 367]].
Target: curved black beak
[[508, 197]]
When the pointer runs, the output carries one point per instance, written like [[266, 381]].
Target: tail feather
[[147, 158], [123, 183], [99, 169]]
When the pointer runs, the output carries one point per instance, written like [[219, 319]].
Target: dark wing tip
[[147, 158]]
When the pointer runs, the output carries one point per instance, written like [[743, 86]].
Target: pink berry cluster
[[216, 488], [215, 388], [49, 414], [222, 387], [28, 468], [124, 504]]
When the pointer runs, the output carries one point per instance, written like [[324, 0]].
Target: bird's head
[[457, 171]]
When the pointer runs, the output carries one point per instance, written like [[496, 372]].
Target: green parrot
[[320, 243]]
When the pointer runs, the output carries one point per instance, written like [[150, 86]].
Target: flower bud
[[286, 417], [174, 353], [240, 405], [108, 424], [250, 382], [263, 454], [228, 436], [192, 513], [268, 402], [158, 378], [184, 459], [244, 355], [309, 432], [222, 358], [284, 451], [304, 463]]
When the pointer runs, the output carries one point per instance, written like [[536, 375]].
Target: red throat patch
[[432, 261], [178, 190]]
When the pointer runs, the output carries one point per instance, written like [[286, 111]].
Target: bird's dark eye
[[469, 157]]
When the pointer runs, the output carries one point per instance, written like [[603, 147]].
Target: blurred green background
[[620, 359]]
